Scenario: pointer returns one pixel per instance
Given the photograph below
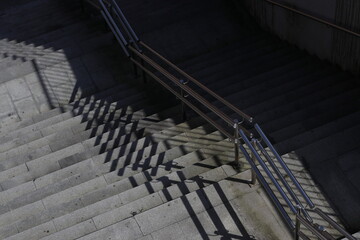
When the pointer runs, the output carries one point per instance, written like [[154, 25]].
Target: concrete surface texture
[[326, 42], [88, 151]]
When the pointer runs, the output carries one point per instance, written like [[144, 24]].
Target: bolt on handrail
[[133, 48]]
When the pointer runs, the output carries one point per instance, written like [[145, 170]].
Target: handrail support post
[[253, 174], [297, 223], [237, 164], [183, 106]]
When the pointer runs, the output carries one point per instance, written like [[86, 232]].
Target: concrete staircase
[[89, 152]]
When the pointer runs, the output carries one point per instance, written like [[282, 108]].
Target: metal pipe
[[118, 38], [225, 102], [297, 223], [267, 188], [282, 179], [126, 26], [188, 103], [270, 175], [334, 224], [183, 112], [303, 236], [236, 144], [110, 19], [132, 32], [253, 174], [312, 229], [188, 90], [314, 18], [285, 167]]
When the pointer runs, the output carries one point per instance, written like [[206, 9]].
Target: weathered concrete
[[317, 38], [121, 163]]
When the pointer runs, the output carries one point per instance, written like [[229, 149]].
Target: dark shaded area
[[305, 105]]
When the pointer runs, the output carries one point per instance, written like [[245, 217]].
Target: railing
[[240, 132], [134, 49], [317, 230]]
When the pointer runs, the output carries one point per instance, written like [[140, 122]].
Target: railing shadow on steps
[[257, 148]]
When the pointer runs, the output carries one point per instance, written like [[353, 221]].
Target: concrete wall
[[318, 39]]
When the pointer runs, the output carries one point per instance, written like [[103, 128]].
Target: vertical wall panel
[[347, 47]]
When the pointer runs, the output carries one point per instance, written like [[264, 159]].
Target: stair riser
[[307, 137], [51, 125], [172, 155], [40, 166], [155, 186]]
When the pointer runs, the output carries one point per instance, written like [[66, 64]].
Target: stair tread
[[119, 161], [191, 170]]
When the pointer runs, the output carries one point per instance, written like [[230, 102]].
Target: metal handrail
[[268, 172], [240, 132], [320, 20], [116, 31], [189, 91], [183, 99], [312, 229], [284, 166], [319, 231], [125, 25], [333, 224], [169, 76], [225, 102], [255, 143], [282, 179], [121, 15], [267, 188]]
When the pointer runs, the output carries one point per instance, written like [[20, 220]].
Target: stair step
[[267, 100], [110, 187], [330, 169], [48, 163], [82, 121], [41, 134], [347, 139], [122, 163], [86, 130], [332, 94], [308, 134], [251, 41], [38, 6], [187, 208], [34, 233], [123, 184], [55, 19], [78, 107], [69, 31], [48, 57]]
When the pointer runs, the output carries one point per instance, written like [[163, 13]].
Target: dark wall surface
[[321, 40]]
